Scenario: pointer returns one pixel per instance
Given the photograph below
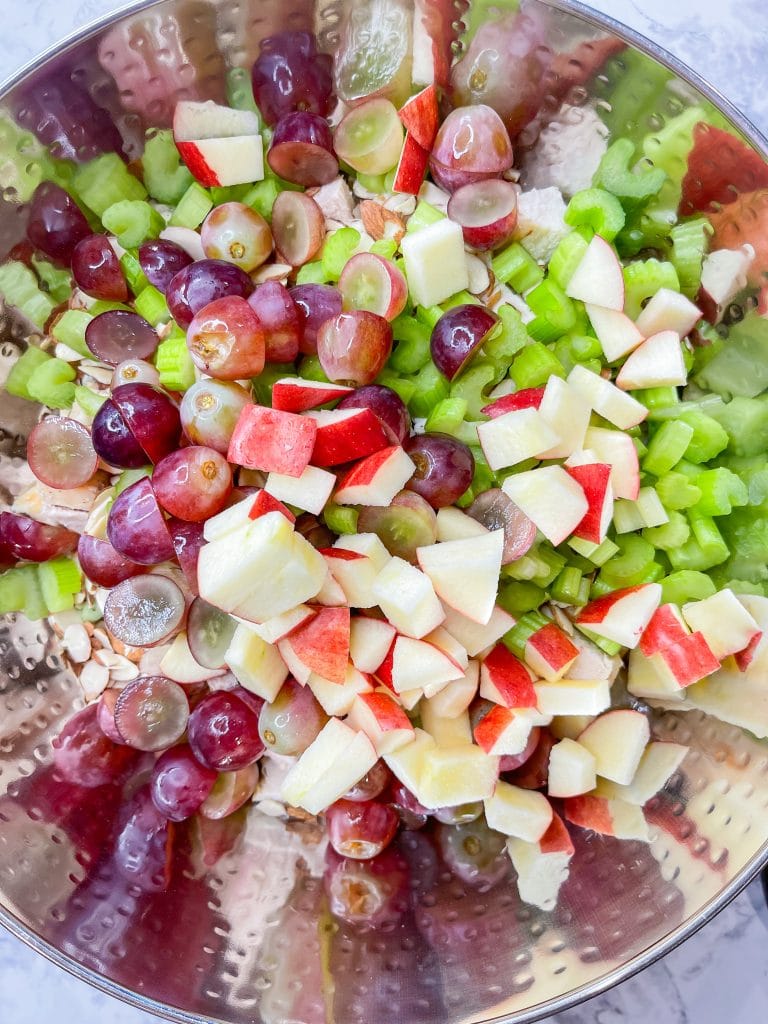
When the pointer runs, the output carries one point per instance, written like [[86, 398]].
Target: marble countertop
[[722, 972]]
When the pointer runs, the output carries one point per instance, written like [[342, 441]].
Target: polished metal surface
[[239, 928]]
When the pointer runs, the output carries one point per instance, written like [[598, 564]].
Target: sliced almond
[[77, 643], [478, 273], [380, 222], [101, 638], [93, 679]]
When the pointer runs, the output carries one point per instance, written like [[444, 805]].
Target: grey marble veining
[[721, 974]]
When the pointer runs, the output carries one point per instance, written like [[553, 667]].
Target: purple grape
[[84, 755], [193, 483], [444, 468], [102, 564], [144, 611], [315, 303], [201, 283], [187, 541], [280, 319], [301, 150], [458, 334], [224, 732], [119, 334], [136, 526], [372, 784], [180, 783], [161, 261], [23, 538], [113, 439], [56, 223], [386, 405], [289, 74], [361, 829], [96, 269], [292, 720], [151, 417], [142, 848], [151, 712], [210, 410], [496, 511], [106, 716]]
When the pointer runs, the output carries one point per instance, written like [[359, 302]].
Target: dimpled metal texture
[[240, 925]]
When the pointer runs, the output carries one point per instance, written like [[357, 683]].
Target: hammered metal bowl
[[242, 932]]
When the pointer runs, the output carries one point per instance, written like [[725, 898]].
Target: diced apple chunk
[[607, 817], [456, 775], [571, 769], [622, 615], [382, 720], [407, 598], [473, 636], [617, 741], [542, 867], [367, 544], [309, 491], [256, 665], [406, 762], [329, 767], [369, 642], [456, 696], [446, 732], [573, 696], [522, 813], [516, 436], [658, 764], [355, 574], [453, 524], [550, 498], [275, 629], [725, 623], [338, 698], [465, 573], [435, 262], [180, 664]]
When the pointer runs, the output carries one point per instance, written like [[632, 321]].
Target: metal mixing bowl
[[241, 932]]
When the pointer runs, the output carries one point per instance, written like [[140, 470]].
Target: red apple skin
[[526, 398], [412, 167], [353, 438], [664, 629], [265, 503], [388, 714], [590, 812], [197, 164], [551, 644], [366, 471], [511, 678], [421, 116], [300, 396], [272, 441], [556, 839]]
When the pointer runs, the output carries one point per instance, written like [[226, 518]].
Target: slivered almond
[[93, 679], [380, 222]]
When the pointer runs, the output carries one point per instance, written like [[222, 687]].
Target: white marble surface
[[722, 973]]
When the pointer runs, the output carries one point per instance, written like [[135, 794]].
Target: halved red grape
[[56, 223], [462, 814], [202, 283], [511, 762], [151, 712], [119, 334], [23, 538], [298, 226], [102, 564], [192, 483], [210, 410], [226, 339], [209, 632], [113, 440], [444, 468], [136, 526], [301, 150], [472, 143], [534, 772], [97, 269], [388, 407], [180, 783], [458, 334], [161, 260], [224, 732], [292, 720], [371, 282], [230, 792], [84, 755], [408, 523], [187, 541], [360, 830], [151, 417], [289, 74], [236, 233], [315, 304], [371, 894], [135, 371], [372, 784], [280, 319], [144, 610], [486, 211], [106, 715], [474, 852], [370, 136], [60, 452], [496, 511], [315, 531], [354, 347]]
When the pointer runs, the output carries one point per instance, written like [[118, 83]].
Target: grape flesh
[[180, 784], [60, 452], [144, 610], [210, 410], [408, 523], [119, 334], [292, 720], [192, 483], [151, 713], [444, 468], [496, 511], [224, 732], [97, 271], [135, 371]]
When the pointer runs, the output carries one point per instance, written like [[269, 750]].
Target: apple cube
[[442, 639], [322, 643], [570, 727], [338, 698], [657, 766], [179, 664], [567, 413], [549, 652], [295, 665], [453, 524], [435, 262], [598, 278], [456, 696], [264, 503], [503, 730], [607, 817], [446, 732], [745, 658], [382, 720], [406, 761], [309, 491], [281, 625], [617, 740], [505, 680], [411, 167], [220, 146], [369, 642], [292, 394], [723, 276], [367, 544], [473, 636], [592, 663], [623, 615], [652, 679], [410, 698], [666, 627], [618, 451], [229, 520], [415, 664], [551, 499], [456, 775], [261, 570], [376, 479], [272, 441], [668, 310], [256, 664], [671, 669], [606, 399], [522, 813], [344, 435], [615, 331], [725, 623], [337, 759], [331, 594], [571, 769], [658, 362], [515, 437], [595, 480], [542, 867], [407, 598], [465, 573], [355, 574], [573, 696]]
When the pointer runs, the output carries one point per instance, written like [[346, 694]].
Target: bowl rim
[[716, 903]]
